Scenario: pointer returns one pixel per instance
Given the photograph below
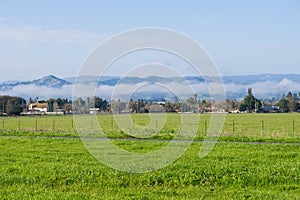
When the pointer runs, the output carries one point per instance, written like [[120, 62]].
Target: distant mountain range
[[264, 85], [48, 81]]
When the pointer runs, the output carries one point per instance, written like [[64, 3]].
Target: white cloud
[[284, 83], [261, 90], [39, 91], [31, 33]]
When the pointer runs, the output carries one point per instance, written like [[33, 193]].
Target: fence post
[[91, 122], [293, 127], [156, 124], [3, 124], [53, 125], [233, 127], [19, 124], [262, 127], [205, 127], [36, 125], [72, 125]]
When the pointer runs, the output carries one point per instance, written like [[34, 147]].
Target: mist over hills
[[264, 85], [48, 81]]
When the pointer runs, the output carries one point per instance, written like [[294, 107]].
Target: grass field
[[245, 126], [35, 166]]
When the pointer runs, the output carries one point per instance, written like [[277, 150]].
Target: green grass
[[52, 168], [36, 165], [237, 127]]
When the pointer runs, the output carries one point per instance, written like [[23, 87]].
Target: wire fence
[[250, 125]]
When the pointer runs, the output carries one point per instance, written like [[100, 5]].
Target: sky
[[39, 38]]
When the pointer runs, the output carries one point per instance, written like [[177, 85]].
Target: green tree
[[12, 105], [283, 104], [100, 103], [250, 102], [59, 102], [195, 97], [50, 104], [292, 104]]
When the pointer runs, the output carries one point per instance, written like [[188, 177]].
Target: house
[[161, 103], [38, 107], [234, 111], [94, 110]]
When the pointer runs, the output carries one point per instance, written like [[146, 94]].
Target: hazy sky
[[38, 38]]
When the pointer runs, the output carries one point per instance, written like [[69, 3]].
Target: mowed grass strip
[[53, 168]]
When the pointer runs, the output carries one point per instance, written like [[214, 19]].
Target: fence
[[250, 125], [38, 124]]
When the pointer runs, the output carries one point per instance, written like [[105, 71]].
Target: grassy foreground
[[53, 168], [245, 163]]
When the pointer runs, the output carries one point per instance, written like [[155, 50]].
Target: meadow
[[262, 127], [257, 157]]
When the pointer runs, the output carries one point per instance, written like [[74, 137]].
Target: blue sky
[[54, 37]]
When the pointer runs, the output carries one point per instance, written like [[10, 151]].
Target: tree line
[[287, 103], [11, 105]]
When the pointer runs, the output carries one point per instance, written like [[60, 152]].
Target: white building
[[39, 107], [94, 110]]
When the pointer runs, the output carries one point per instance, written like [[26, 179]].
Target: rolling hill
[[264, 85]]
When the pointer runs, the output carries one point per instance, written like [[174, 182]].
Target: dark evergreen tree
[[283, 104], [12, 105], [250, 102], [100, 103], [292, 104]]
